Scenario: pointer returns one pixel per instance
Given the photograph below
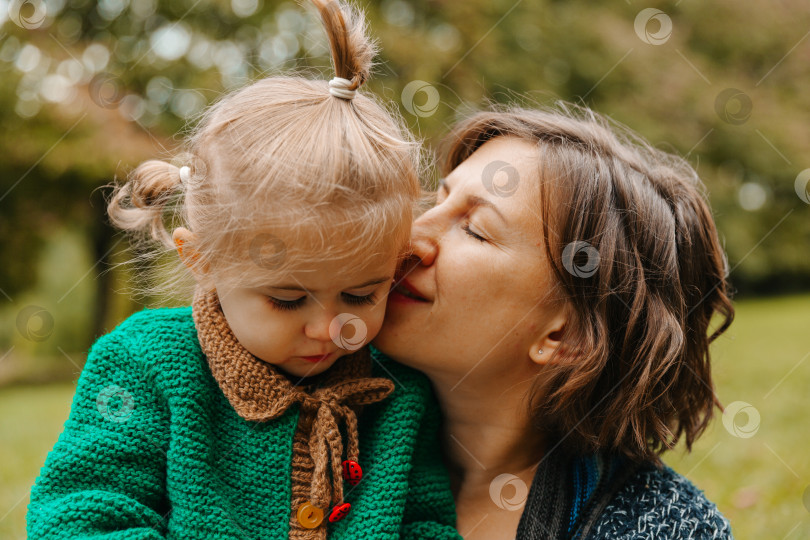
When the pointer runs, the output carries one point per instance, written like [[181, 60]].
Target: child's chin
[[305, 369]]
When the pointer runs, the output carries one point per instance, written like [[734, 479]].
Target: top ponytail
[[352, 50]]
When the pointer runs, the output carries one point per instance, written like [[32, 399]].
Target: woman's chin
[[384, 343], [394, 344]]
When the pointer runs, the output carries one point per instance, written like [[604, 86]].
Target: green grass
[[759, 482], [31, 418]]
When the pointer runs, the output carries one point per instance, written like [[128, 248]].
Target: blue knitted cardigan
[[605, 497], [658, 504]]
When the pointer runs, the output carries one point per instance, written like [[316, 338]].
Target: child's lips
[[317, 358]]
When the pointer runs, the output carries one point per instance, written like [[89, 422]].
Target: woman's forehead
[[503, 173], [508, 148]]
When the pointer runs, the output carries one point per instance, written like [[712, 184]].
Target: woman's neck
[[487, 432]]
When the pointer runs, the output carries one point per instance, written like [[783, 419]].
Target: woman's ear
[[184, 241], [545, 345]]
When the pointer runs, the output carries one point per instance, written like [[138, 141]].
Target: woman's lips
[[404, 292]]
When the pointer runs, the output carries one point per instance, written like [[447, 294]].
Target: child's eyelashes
[[350, 299], [355, 300], [285, 305]]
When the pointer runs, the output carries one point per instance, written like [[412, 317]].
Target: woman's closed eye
[[442, 194], [470, 232]]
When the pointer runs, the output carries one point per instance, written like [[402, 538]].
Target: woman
[[559, 299]]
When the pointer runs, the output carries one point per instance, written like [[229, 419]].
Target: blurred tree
[[89, 89]]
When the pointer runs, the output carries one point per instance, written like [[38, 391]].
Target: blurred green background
[[89, 89]]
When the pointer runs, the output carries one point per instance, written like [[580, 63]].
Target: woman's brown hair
[[631, 241]]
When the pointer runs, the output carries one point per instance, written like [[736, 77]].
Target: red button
[[352, 472], [339, 512]]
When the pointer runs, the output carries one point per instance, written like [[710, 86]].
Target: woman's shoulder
[[659, 503]]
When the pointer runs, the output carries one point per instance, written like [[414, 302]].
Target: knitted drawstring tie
[[258, 392], [331, 405]]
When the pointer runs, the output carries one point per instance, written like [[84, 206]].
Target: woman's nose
[[423, 240]]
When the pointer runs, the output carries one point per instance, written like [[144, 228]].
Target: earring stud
[[540, 351]]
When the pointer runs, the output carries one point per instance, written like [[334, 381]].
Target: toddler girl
[[237, 417]]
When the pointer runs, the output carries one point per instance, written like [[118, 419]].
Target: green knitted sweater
[[153, 449]]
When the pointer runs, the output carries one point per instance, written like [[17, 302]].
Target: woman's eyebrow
[[475, 200]]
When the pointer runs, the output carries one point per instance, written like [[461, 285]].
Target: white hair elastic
[[340, 87], [185, 174]]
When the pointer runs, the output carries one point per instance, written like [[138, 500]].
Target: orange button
[[309, 515]]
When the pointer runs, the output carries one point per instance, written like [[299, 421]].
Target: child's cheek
[[374, 320]]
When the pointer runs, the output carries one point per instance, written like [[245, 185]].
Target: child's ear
[[184, 240]]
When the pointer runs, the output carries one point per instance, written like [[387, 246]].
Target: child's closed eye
[[351, 299], [285, 305], [357, 300]]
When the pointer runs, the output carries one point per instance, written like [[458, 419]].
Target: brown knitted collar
[[259, 392]]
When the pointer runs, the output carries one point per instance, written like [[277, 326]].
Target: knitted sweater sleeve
[[105, 477]]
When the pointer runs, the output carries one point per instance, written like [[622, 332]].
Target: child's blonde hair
[[283, 174]]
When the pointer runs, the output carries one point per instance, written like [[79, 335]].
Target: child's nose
[[317, 327]]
